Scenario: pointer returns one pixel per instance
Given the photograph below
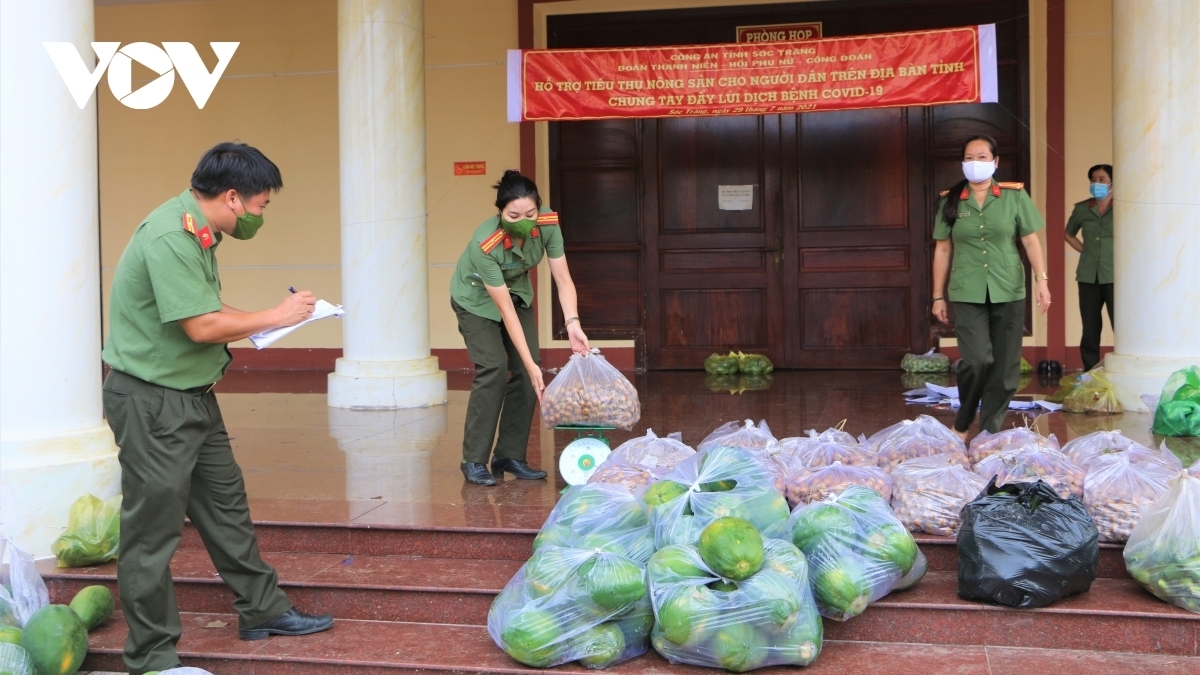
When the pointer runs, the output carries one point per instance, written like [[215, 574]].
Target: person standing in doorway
[[168, 331], [1094, 275], [492, 297], [978, 222]]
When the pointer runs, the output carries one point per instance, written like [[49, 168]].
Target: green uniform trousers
[[501, 394], [1093, 298], [989, 341], [175, 460]]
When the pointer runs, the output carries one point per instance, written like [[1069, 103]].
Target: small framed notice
[[470, 168], [735, 197]]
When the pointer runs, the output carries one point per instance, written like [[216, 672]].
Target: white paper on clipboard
[[323, 310]]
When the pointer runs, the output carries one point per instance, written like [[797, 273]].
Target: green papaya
[[548, 570], [56, 640], [554, 535], [602, 645], [722, 586], [613, 583], [732, 548], [662, 492], [842, 588], [93, 604], [818, 521], [531, 636], [683, 617], [674, 563], [10, 635], [739, 647], [892, 543]]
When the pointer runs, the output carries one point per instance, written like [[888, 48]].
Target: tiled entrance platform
[[365, 515]]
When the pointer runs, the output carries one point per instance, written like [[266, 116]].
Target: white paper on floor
[[932, 394]]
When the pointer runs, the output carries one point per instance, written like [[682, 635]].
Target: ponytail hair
[[950, 208], [513, 186]]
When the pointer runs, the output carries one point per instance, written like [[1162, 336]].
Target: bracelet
[[1041, 277], [568, 321], [939, 299]]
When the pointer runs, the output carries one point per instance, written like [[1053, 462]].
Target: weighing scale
[[583, 455]]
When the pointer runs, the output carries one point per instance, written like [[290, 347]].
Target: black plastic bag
[[1024, 546]]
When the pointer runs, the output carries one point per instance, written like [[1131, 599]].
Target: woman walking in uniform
[[493, 298], [1095, 272], [978, 222]]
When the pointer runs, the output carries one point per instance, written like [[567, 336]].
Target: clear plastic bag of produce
[[590, 391], [715, 483], [823, 449], [1093, 394], [572, 604], [1009, 440], [1027, 466], [754, 364], [1024, 546], [1117, 490], [928, 493], [908, 439], [642, 460], [1178, 410], [14, 660], [755, 439], [704, 619], [582, 596], [93, 533], [1163, 552], [822, 482], [857, 550], [22, 591], [929, 362], [1085, 450], [599, 516], [721, 365], [1066, 385]]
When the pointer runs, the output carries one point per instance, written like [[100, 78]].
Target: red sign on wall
[[935, 67], [470, 168]]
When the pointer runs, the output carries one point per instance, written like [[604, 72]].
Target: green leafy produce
[[603, 645], [755, 382], [739, 647], [10, 635], [754, 364], [1178, 411], [14, 660], [732, 548], [721, 365], [1026, 367], [93, 533], [93, 604], [931, 362], [56, 640]]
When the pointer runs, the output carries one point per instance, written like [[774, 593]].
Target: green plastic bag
[[1178, 412], [93, 533], [1093, 394], [1026, 367], [754, 364], [721, 365], [929, 362]]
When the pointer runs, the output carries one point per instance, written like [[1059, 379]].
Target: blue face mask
[[1099, 190]]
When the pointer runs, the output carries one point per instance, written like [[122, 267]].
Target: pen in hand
[[291, 289]]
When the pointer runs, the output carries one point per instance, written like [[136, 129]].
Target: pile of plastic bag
[[929, 362], [738, 362], [715, 483], [642, 460], [1022, 545], [22, 591], [857, 551], [589, 391], [928, 493], [1031, 465], [923, 437], [1116, 491], [765, 616], [812, 484], [1178, 410], [93, 533], [754, 439], [1087, 449], [1009, 440], [1163, 552], [582, 596], [823, 449], [1093, 393]]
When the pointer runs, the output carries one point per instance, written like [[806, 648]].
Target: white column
[[385, 274], [54, 443], [1156, 161]]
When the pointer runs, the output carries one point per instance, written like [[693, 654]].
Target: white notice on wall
[[735, 197]]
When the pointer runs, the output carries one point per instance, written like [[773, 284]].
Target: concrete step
[[371, 647]]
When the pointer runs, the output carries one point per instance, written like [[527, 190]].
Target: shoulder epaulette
[[1012, 186], [492, 242], [548, 218], [203, 234]]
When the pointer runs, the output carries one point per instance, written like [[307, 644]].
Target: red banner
[[936, 67]]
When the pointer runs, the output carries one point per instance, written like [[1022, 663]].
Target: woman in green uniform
[[493, 298], [978, 222], [1095, 272]]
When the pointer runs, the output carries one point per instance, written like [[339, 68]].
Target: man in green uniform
[[1094, 217], [987, 282], [167, 349]]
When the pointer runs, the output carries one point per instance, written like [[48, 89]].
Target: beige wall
[[1089, 129], [280, 94]]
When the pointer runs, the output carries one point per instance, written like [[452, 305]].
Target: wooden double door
[[830, 265]]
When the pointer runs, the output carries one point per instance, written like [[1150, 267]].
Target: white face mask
[[977, 172]]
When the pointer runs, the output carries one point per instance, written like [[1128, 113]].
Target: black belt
[[202, 389]]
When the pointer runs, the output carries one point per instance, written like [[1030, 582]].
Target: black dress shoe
[[1055, 367], [477, 473], [1043, 366], [292, 622], [516, 467]]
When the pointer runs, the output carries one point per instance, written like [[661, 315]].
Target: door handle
[[777, 249]]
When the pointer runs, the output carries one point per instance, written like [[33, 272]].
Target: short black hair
[[1107, 168], [514, 186], [235, 166]]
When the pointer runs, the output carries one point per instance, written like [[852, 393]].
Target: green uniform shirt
[[493, 258], [1096, 260], [166, 275], [986, 262]]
